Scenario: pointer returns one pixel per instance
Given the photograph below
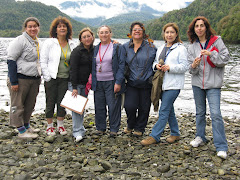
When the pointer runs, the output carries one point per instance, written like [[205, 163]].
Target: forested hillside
[[217, 11], [13, 14]]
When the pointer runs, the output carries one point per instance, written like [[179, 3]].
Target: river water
[[230, 97]]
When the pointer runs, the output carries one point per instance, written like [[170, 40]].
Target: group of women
[[67, 66]]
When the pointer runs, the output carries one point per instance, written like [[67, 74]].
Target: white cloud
[[117, 7]]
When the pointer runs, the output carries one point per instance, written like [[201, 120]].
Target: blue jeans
[[77, 119], [166, 114], [213, 96], [104, 97]]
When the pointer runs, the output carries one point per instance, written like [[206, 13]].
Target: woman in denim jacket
[[139, 56]]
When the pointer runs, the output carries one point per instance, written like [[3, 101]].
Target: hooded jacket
[[177, 61], [22, 58], [208, 75]]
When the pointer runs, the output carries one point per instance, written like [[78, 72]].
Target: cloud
[[117, 7]]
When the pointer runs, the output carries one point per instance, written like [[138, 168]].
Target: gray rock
[[163, 168]]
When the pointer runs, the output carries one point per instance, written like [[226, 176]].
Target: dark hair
[[30, 19], [141, 25], [56, 22], [192, 36], [84, 30], [175, 27]]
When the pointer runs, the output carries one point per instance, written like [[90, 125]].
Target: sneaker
[[78, 138], [113, 134], [197, 142], [62, 130], [27, 135], [32, 130], [149, 140], [127, 130], [137, 133], [50, 131], [172, 139], [222, 154]]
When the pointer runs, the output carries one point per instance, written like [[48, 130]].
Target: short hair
[[56, 22], [110, 30], [145, 36], [176, 28], [30, 19], [192, 36], [84, 30]]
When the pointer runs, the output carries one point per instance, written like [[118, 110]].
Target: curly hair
[[56, 22], [192, 36], [175, 27]]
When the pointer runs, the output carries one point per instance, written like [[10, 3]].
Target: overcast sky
[[116, 7]]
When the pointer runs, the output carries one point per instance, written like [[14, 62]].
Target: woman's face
[[137, 32], [87, 38], [62, 29], [32, 29], [200, 29], [170, 35], [104, 35]]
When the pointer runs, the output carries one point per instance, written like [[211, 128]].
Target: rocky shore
[[105, 158]]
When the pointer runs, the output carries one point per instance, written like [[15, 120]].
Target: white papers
[[76, 104]]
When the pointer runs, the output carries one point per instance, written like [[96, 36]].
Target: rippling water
[[230, 99]]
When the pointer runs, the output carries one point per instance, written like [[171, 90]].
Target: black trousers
[[137, 106]]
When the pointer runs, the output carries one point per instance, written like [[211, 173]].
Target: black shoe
[[113, 134], [99, 133]]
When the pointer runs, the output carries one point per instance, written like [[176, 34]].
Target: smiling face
[[170, 35], [32, 29], [61, 30], [200, 29], [87, 39], [104, 35], [137, 32]]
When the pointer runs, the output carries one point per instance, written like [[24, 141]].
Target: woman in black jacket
[[80, 69]]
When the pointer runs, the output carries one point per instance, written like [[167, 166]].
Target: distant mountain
[[13, 14], [95, 13], [214, 10]]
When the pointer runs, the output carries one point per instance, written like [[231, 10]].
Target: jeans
[[166, 114], [104, 97], [213, 96], [137, 106], [77, 119]]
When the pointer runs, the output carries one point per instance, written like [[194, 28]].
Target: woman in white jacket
[[55, 55], [175, 65]]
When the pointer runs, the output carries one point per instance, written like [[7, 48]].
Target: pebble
[[60, 157]]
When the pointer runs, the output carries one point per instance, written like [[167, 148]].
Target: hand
[[14, 88], [74, 92], [196, 62], [159, 67], [205, 52], [165, 67], [117, 88]]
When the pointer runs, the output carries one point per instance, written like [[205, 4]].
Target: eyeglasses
[[87, 36], [137, 29], [35, 26], [104, 32]]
